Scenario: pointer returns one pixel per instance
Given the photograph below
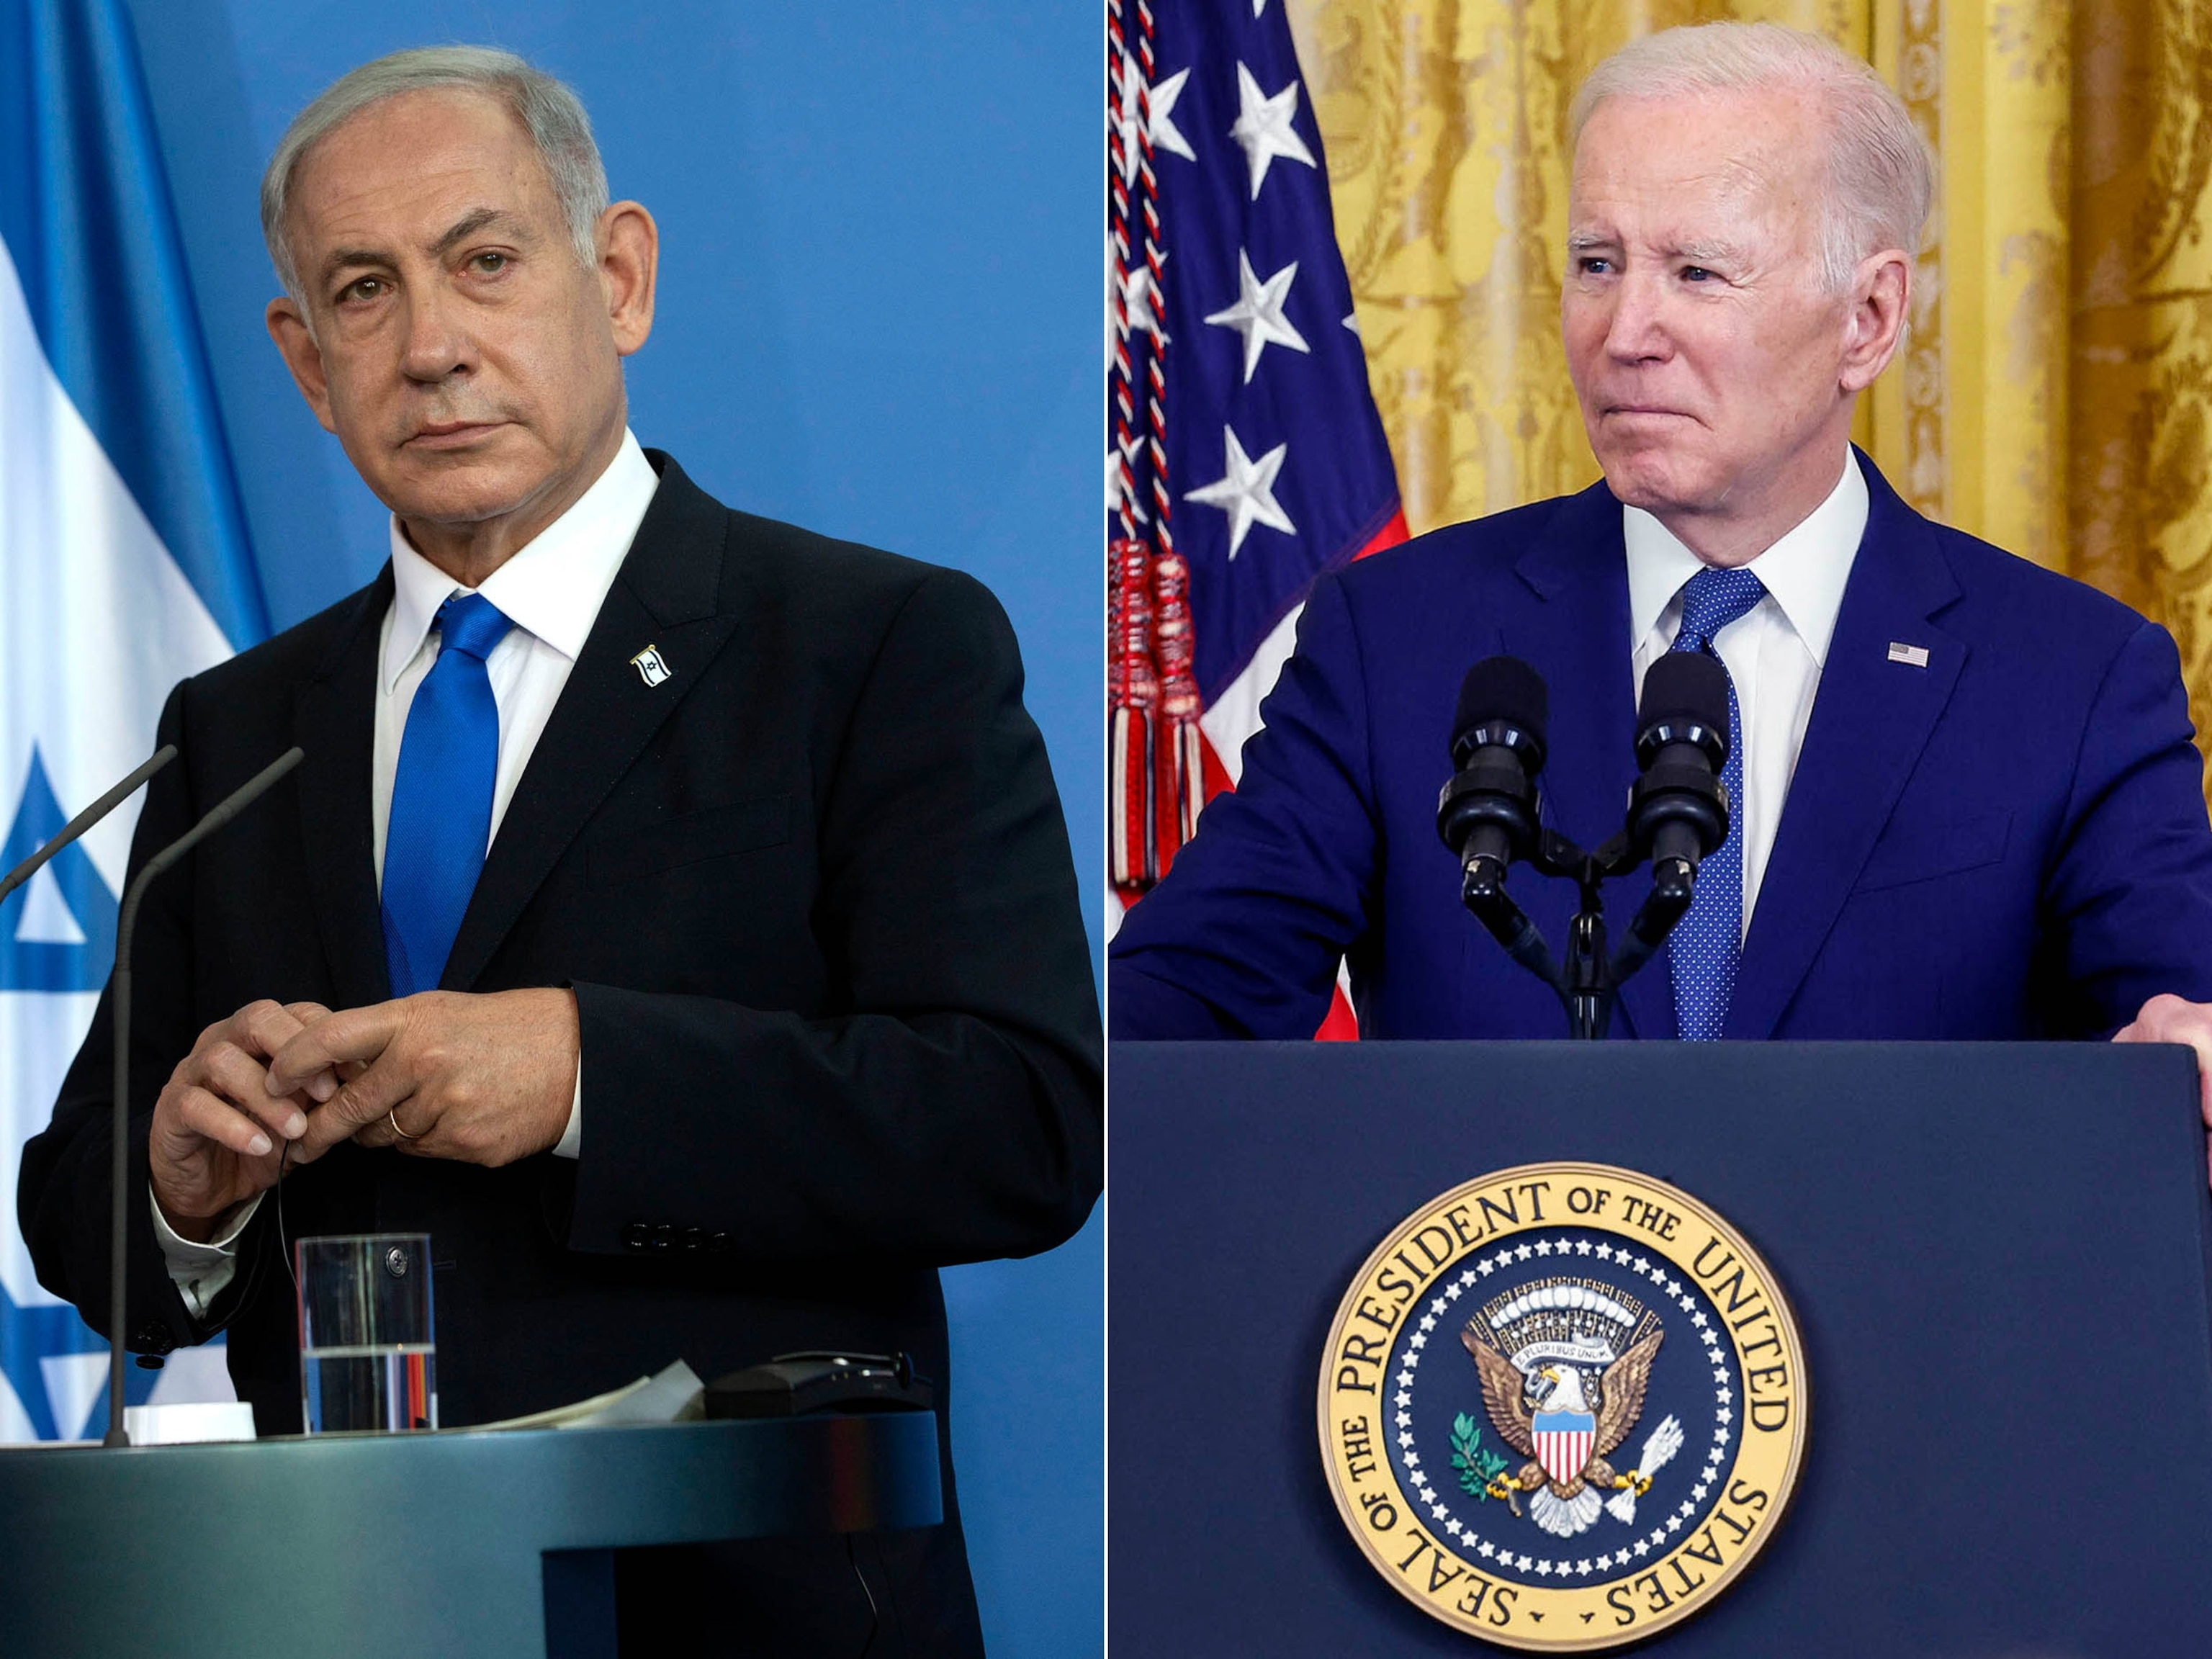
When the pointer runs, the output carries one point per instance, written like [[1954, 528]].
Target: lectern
[[456, 1544], [1997, 1256]]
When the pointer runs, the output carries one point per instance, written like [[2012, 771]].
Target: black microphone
[[228, 808], [1678, 811], [84, 820], [1487, 812]]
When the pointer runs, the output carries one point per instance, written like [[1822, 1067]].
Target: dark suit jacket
[[815, 897], [2009, 843]]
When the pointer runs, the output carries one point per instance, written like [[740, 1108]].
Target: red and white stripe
[[1564, 1453]]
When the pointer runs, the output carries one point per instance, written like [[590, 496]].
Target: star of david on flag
[[123, 568], [1247, 457]]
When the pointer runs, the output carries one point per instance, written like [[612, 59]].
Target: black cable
[[284, 1159], [875, 1617]]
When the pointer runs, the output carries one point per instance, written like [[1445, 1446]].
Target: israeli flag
[[123, 566]]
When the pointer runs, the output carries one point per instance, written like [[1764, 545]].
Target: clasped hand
[[478, 1078]]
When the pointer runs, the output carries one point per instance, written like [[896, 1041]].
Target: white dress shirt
[[1774, 652], [551, 590]]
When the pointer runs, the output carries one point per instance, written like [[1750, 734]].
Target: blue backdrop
[[879, 317]]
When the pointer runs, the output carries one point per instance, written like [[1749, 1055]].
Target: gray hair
[[1882, 179], [548, 110]]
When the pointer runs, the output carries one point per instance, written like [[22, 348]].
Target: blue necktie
[[441, 822], [1707, 943]]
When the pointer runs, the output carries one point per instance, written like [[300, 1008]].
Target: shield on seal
[[1563, 1442]]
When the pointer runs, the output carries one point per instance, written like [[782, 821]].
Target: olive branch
[[1477, 1466]]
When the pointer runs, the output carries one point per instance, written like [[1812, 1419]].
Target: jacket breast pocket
[[1923, 851], [617, 853]]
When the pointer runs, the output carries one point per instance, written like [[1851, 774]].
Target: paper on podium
[[674, 1394]]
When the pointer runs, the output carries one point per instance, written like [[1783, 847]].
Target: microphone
[[1678, 810], [228, 808], [84, 820], [1486, 813]]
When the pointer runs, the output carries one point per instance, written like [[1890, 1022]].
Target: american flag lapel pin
[[1912, 656], [652, 668]]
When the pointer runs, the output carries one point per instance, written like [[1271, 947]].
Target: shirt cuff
[[571, 1143], [200, 1272]]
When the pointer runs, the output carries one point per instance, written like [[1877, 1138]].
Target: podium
[[1997, 1255], [458, 1544]]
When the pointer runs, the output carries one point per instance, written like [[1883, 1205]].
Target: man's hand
[[2170, 1019], [218, 1124], [478, 1078]]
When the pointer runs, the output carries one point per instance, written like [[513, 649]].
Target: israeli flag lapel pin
[[652, 668]]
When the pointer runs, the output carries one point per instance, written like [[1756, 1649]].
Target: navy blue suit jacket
[[2009, 843]]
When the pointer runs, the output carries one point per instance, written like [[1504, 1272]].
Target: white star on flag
[[1263, 127], [1113, 478], [1139, 292], [1162, 101], [1117, 487], [1165, 135], [1246, 491]]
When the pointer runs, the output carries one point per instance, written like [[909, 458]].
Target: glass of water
[[368, 1354]]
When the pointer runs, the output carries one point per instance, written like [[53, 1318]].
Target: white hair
[[547, 110], [1882, 179]]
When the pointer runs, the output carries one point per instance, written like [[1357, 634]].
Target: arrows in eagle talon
[[1659, 1449]]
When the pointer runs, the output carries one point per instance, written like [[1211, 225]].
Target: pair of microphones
[[120, 985], [1490, 815]]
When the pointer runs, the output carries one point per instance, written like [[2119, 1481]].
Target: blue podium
[[460, 1544], [1997, 1256]]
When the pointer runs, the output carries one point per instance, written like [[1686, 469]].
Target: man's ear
[[289, 329], [1874, 326], [629, 264]]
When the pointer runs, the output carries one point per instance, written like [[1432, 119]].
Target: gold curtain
[[2055, 393]]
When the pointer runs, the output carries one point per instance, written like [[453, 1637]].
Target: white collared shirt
[[552, 589], [1774, 652]]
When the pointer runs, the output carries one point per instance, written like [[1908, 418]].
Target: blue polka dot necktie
[[1707, 943], [441, 822]]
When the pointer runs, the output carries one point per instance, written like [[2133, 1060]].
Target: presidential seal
[[1562, 1406]]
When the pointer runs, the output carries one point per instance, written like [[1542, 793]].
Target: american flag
[[1247, 454]]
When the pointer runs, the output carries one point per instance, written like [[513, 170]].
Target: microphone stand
[[84, 820], [1589, 981], [228, 808]]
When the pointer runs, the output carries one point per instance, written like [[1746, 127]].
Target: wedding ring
[[392, 1118]]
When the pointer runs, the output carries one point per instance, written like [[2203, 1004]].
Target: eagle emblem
[[1564, 1365]]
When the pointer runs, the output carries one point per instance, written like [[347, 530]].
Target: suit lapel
[[334, 723], [1575, 627], [1871, 718], [665, 596]]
